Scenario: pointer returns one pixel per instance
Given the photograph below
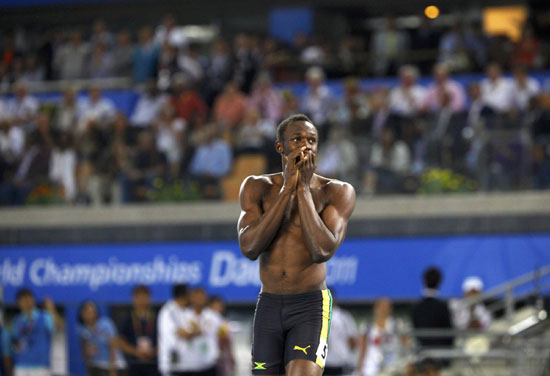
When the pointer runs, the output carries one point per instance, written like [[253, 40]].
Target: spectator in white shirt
[[68, 112], [95, 111], [71, 58], [338, 157], [170, 137], [379, 345], [203, 346], [524, 89], [343, 343], [497, 91], [172, 337], [408, 98], [147, 107], [23, 108], [254, 134], [467, 316], [63, 167]]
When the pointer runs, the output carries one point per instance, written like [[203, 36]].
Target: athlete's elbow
[[321, 256], [250, 253]]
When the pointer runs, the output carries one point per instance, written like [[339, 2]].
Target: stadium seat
[[245, 165]]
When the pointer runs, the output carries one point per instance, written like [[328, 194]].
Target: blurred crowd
[[200, 110], [190, 336]]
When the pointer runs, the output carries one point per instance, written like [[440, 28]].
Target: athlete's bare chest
[[291, 215]]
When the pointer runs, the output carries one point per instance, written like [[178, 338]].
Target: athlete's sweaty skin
[[294, 221]]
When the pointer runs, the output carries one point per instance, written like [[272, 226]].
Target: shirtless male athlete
[[294, 221]]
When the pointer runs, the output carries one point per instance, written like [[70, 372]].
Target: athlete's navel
[[283, 273]]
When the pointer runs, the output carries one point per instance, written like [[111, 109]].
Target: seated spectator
[[265, 98], [408, 97], [444, 84], [524, 88], [148, 106], [23, 108], [466, 316], [96, 112], [12, 146], [98, 342], [67, 113], [380, 344], [145, 56], [338, 157], [230, 106], [70, 58], [318, 100], [170, 137], [186, 100], [211, 161], [255, 134], [138, 335], [453, 49], [172, 336], [34, 166], [497, 91], [354, 101], [31, 336], [390, 162], [101, 35], [431, 312], [147, 165], [34, 71]]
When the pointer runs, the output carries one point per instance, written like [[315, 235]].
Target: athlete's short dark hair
[[432, 277], [179, 290], [22, 292], [283, 125]]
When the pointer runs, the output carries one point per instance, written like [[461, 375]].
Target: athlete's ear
[[279, 147]]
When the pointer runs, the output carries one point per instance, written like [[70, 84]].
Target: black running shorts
[[288, 327]]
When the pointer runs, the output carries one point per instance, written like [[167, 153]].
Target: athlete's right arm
[[257, 228]]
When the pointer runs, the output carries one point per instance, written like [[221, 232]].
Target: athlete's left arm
[[324, 233]]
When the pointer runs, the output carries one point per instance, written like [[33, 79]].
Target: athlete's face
[[297, 135]]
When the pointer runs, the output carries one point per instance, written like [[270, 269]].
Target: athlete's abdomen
[[287, 268]]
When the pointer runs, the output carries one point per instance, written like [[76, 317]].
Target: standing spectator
[[245, 62], [101, 35], [145, 56], [388, 45], [226, 360], [98, 342], [318, 100], [190, 66], [496, 90], [67, 113], [123, 55], [63, 166], [390, 163], [431, 312], [407, 98], [230, 106], [444, 84], [71, 58], [148, 106], [203, 347], [170, 137], [343, 342], [466, 316], [219, 70], [452, 49], [172, 336], [524, 89], [265, 98], [169, 32], [101, 64], [211, 162], [31, 336], [138, 337], [379, 345]]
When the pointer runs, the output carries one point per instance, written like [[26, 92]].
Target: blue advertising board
[[361, 269]]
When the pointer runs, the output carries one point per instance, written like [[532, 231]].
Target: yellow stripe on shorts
[[327, 312]]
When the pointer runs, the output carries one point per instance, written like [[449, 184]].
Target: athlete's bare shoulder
[[337, 192], [257, 185]]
